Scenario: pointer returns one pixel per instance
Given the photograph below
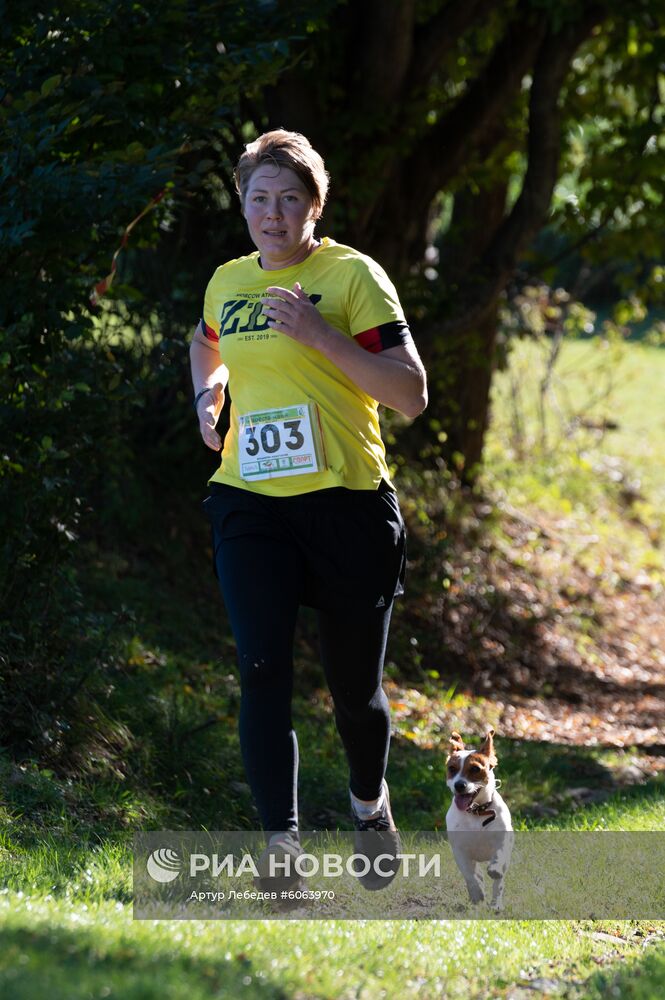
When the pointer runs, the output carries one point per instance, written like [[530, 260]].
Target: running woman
[[310, 337]]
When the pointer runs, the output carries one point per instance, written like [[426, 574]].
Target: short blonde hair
[[285, 149]]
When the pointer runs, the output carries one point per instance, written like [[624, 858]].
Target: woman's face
[[278, 210]]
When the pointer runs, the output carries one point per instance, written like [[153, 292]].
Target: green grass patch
[[641, 979], [96, 950], [588, 449]]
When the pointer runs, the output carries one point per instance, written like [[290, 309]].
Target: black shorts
[[351, 543]]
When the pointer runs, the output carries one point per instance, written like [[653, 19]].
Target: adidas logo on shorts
[[381, 603]]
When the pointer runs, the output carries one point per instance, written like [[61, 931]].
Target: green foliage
[[103, 107], [100, 107], [608, 201]]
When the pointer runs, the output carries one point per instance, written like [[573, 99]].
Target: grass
[[92, 948], [639, 980], [66, 924], [66, 929], [605, 485]]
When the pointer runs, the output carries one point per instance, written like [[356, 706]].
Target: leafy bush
[[102, 108]]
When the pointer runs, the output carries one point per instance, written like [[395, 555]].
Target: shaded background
[[503, 161]]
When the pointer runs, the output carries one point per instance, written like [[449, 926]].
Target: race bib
[[285, 442]]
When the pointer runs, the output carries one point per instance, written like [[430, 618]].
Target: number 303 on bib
[[284, 442]]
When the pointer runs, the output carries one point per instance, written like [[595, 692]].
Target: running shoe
[[378, 841], [273, 876]]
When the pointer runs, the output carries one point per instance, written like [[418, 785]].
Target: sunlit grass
[[605, 484], [96, 950], [66, 920]]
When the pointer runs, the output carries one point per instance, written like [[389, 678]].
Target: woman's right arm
[[208, 372]]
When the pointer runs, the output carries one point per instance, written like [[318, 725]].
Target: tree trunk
[[466, 421]]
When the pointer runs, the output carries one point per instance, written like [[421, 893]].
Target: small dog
[[478, 821]]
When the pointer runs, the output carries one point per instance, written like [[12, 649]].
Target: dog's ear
[[488, 748], [456, 742]]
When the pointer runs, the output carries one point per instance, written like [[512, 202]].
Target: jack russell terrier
[[478, 821]]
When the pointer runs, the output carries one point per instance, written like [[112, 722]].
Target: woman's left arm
[[395, 377]]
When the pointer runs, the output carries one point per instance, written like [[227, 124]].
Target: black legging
[[261, 582]]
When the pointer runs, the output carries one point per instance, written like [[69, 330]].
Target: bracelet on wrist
[[198, 396]]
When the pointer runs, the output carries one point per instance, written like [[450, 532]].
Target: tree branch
[[434, 39], [544, 144], [440, 154], [643, 133], [449, 141]]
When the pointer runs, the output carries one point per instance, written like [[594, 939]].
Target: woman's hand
[[395, 377], [208, 410], [295, 315]]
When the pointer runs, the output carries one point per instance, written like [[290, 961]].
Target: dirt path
[[565, 654]]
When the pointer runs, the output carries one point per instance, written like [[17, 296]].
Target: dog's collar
[[483, 809]]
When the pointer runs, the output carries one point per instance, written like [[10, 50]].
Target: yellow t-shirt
[[270, 373]]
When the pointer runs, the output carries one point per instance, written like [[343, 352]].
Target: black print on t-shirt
[[246, 316]]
